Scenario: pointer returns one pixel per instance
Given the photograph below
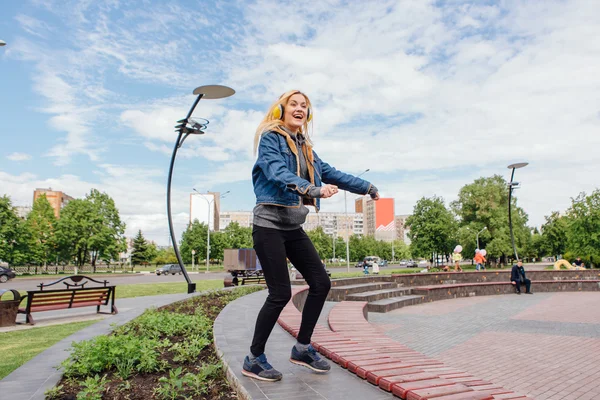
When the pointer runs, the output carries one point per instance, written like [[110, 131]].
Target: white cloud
[[34, 26], [412, 90], [19, 157]]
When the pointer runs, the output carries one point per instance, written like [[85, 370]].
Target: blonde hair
[[270, 123]]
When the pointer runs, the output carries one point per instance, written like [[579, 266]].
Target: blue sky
[[429, 95]]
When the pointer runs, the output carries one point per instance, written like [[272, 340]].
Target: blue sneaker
[[310, 359], [260, 369]]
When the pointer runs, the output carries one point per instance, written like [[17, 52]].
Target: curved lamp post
[[512, 185], [347, 235], [186, 127], [2, 43]]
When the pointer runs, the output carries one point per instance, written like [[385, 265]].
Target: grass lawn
[[21, 346], [152, 289]]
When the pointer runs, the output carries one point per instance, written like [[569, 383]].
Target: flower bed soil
[[141, 386]]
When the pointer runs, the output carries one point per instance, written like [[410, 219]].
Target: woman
[[287, 176]]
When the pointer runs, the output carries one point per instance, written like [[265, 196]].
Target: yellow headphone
[[279, 110]]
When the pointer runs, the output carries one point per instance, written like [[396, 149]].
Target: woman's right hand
[[328, 191]]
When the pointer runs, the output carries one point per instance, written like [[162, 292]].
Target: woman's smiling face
[[295, 112]]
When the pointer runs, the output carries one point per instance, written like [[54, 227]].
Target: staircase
[[381, 295]]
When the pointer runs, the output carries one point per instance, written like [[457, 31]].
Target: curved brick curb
[[219, 343], [355, 344]]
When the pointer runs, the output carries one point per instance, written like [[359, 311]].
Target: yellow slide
[[566, 264]]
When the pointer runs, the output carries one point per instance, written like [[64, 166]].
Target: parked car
[[169, 269], [359, 264], [6, 274], [383, 263], [369, 260], [423, 264]]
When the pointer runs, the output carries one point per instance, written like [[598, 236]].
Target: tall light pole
[[347, 235], [186, 127], [512, 185], [209, 202], [333, 246], [484, 228]]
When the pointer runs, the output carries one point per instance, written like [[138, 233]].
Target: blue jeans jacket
[[276, 175]]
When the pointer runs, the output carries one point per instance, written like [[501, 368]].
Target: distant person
[[366, 268], [479, 260], [457, 258], [579, 263], [518, 278], [375, 268]]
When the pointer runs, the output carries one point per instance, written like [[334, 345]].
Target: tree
[[139, 253], [90, 229], [41, 223], [432, 228], [165, 256], [554, 235], [194, 238], [106, 238], [238, 237], [322, 242], [583, 237], [484, 203], [14, 235], [73, 231]]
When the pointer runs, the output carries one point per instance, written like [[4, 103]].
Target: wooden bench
[[74, 295]]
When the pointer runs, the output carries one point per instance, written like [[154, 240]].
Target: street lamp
[[186, 127], [484, 228], [347, 235], [209, 202], [2, 43], [333, 245], [512, 185]]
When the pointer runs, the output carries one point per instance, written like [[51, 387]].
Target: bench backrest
[[68, 298]]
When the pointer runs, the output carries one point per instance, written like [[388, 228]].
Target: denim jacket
[[276, 173]]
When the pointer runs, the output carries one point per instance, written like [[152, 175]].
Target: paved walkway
[[31, 380], [546, 346], [233, 333]]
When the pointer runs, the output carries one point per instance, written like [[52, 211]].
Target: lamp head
[[2, 43], [214, 91], [518, 165]]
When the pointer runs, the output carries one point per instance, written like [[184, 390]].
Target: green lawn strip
[[18, 347], [152, 289]]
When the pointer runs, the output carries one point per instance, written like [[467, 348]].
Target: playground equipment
[[566, 264]]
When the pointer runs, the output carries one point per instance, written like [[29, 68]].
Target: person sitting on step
[[518, 278]]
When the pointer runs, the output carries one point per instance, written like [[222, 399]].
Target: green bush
[[103, 353], [155, 324]]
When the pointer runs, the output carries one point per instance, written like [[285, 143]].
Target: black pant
[[527, 285], [272, 247]]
